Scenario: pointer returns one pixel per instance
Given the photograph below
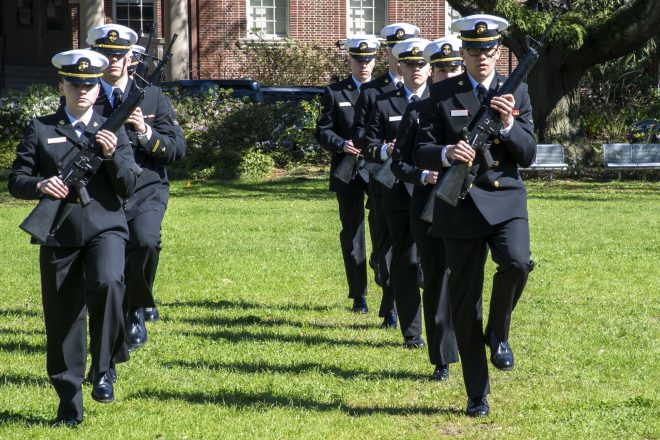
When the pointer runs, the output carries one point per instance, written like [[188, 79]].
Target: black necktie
[[399, 84], [414, 98], [80, 126], [116, 97], [481, 93]]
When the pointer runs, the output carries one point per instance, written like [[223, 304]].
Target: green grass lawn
[[257, 340]]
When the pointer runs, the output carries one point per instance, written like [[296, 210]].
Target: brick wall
[[222, 26]]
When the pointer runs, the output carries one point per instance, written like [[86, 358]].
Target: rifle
[[384, 174], [82, 163], [484, 128], [347, 168], [350, 165]]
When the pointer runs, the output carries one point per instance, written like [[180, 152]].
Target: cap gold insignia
[[83, 65], [400, 33], [480, 28], [415, 51], [112, 36], [446, 49], [363, 45]]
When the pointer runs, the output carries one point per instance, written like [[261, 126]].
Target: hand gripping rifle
[[485, 127], [84, 160]]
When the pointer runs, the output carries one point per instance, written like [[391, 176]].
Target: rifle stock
[[41, 219], [427, 212], [384, 175], [346, 169]]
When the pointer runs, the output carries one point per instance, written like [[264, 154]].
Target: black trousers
[[510, 249], [438, 322], [142, 253], [403, 272], [75, 281], [352, 240], [382, 245]]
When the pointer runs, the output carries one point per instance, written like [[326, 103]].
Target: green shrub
[[221, 130], [17, 109], [255, 164]]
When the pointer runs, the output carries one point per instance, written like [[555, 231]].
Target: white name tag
[[345, 104], [395, 118], [459, 112], [56, 140]]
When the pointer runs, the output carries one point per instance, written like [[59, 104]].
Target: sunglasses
[[476, 51]]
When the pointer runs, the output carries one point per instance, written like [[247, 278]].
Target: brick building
[[210, 32]]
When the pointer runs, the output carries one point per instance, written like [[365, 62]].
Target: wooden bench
[[549, 157], [623, 157]]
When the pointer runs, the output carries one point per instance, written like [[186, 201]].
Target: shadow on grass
[[15, 312], [300, 188], [220, 321], [298, 368], [247, 305], [23, 380], [242, 336], [13, 331], [23, 347], [240, 399], [14, 417]]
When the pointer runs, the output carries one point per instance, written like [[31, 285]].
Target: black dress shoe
[[69, 422], [477, 407], [360, 305], [102, 390], [136, 331], [389, 321], [151, 314], [413, 342], [441, 373], [500, 352]]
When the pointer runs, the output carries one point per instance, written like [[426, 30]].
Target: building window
[[136, 14], [451, 15], [366, 17], [267, 18]]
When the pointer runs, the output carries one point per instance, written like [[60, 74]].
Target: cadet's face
[[482, 65], [414, 75], [117, 68], [442, 73], [79, 97], [361, 69]]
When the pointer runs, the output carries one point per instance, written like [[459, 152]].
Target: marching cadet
[[380, 134], [493, 214], [334, 133], [157, 141], [137, 50], [82, 264], [445, 60], [380, 237]]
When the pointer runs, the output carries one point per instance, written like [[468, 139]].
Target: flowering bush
[[219, 131], [17, 109]]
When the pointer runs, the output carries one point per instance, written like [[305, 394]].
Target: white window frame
[[376, 33], [450, 15], [250, 24], [135, 2]]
